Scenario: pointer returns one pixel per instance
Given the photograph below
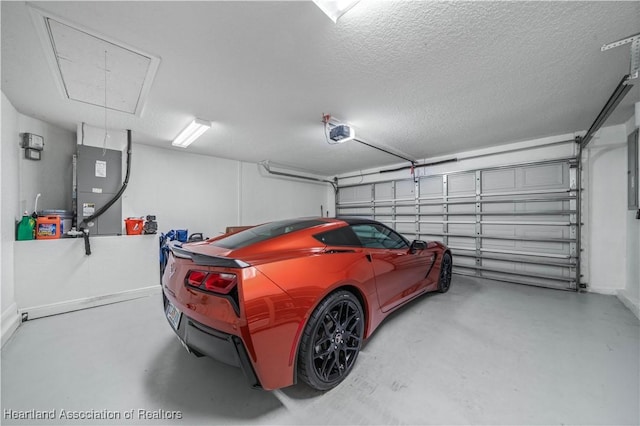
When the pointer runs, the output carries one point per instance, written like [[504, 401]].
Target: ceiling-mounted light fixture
[[334, 9], [192, 132]]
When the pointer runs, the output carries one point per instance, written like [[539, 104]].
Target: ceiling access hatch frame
[[82, 78]]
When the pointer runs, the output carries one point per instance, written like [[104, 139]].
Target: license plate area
[[173, 315]]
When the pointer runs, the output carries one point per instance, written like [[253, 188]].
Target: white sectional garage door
[[514, 223]]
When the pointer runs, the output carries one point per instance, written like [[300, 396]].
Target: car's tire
[[444, 283], [331, 341]]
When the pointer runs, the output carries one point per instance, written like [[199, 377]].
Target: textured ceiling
[[423, 78]]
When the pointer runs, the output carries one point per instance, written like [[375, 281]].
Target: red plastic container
[[48, 227], [134, 225]]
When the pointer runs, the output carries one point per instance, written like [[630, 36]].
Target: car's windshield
[[263, 232]]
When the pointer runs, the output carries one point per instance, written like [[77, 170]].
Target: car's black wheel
[[331, 341], [445, 273]]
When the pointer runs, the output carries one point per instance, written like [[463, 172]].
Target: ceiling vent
[[77, 57]]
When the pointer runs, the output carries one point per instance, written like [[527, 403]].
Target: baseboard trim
[[607, 291], [34, 312], [10, 322], [632, 305]]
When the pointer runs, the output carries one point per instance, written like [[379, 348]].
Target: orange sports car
[[296, 298]]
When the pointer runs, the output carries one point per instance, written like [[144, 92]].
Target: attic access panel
[[77, 57]]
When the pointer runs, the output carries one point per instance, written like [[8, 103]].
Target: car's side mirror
[[417, 245]]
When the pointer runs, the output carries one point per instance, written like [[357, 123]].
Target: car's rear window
[[264, 232], [339, 237]]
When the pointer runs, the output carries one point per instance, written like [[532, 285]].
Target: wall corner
[[632, 304], [10, 322]]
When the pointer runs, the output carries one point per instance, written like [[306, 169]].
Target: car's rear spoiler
[[205, 259]]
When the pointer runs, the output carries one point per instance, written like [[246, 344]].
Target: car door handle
[[368, 256]]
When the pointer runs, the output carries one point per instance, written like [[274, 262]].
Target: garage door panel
[[498, 207], [431, 209], [406, 210], [544, 177], [527, 268], [526, 218], [526, 231], [541, 247], [462, 218], [546, 270], [407, 229], [405, 189], [489, 243], [498, 180], [384, 191], [542, 206], [462, 184], [462, 242], [355, 212], [529, 280], [430, 186], [542, 231], [464, 261], [462, 228], [433, 228], [355, 193], [462, 208], [499, 230], [383, 211]]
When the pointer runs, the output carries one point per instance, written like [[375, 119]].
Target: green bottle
[[26, 227]]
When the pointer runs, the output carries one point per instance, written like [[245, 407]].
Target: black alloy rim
[[337, 341], [445, 272]]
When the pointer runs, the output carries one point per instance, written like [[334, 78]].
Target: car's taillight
[[195, 278], [218, 282]]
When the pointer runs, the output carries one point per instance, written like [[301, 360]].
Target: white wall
[[55, 276], [265, 198], [630, 295], [21, 180], [184, 190], [52, 175], [605, 210], [9, 211], [206, 194]]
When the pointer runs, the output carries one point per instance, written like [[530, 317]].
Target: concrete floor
[[485, 353]]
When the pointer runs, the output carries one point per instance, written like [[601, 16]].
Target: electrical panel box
[[632, 173], [31, 141], [99, 178], [32, 154]]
